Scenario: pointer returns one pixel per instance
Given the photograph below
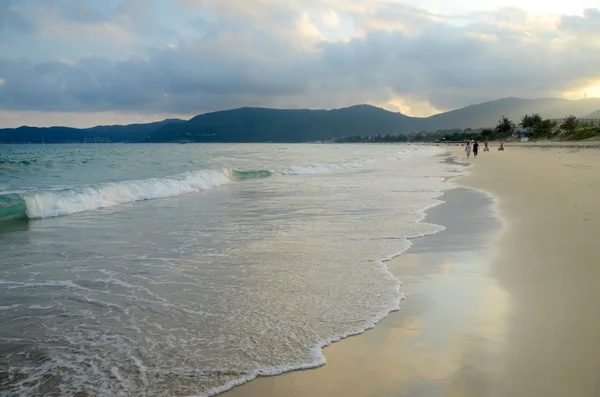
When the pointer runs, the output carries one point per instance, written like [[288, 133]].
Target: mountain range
[[302, 125], [103, 133]]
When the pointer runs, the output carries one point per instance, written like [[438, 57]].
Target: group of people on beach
[[475, 147]]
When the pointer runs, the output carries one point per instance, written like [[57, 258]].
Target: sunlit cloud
[[588, 90], [135, 57], [81, 120]]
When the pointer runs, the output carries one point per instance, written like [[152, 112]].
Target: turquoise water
[[40, 181], [163, 270]]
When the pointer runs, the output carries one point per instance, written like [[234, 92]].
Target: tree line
[[374, 138], [466, 135], [535, 126]]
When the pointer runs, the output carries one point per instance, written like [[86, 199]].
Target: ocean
[[184, 270]]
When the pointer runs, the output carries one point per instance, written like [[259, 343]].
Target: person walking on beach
[[475, 149], [468, 149], [501, 145], [485, 146]]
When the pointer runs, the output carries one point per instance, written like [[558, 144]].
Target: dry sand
[[557, 144], [490, 311], [549, 263]]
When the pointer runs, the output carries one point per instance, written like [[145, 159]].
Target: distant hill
[[273, 125], [595, 115], [111, 133], [487, 114], [302, 125]]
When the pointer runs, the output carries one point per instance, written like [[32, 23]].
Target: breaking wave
[[238, 175], [50, 203]]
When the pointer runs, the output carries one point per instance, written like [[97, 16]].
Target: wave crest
[[51, 203], [45, 204]]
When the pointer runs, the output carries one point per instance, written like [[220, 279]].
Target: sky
[[89, 62]]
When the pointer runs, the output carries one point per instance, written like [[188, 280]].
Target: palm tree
[[569, 124], [505, 126], [534, 123], [546, 126]]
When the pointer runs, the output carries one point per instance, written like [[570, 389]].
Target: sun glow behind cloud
[[589, 91], [132, 57], [414, 108], [593, 91]]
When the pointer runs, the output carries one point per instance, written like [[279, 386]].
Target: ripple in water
[[194, 294]]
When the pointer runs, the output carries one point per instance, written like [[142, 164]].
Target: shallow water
[[186, 269]]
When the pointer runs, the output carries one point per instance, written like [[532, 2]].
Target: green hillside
[[302, 125]]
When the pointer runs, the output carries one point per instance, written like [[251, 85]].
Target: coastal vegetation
[[532, 126], [569, 128], [440, 136], [505, 127], [537, 126]]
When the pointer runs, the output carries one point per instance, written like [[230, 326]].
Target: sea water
[[183, 270]]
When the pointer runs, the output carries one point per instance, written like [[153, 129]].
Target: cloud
[[12, 20], [11, 119], [82, 11], [210, 55], [176, 80], [588, 24]]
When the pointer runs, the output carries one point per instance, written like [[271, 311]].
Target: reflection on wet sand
[[444, 339]]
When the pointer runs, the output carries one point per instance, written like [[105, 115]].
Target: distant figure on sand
[[501, 145], [468, 149], [475, 149], [485, 146]]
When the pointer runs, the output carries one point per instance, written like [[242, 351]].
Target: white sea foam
[[49, 283], [10, 307], [56, 201], [210, 304], [39, 307], [318, 168], [70, 201], [318, 358], [316, 352]]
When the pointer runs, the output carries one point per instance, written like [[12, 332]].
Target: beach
[[548, 257], [501, 303]]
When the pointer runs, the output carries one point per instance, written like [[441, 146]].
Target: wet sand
[[549, 263], [420, 350], [493, 308]]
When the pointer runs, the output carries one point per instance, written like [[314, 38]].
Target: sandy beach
[[548, 262], [501, 303]]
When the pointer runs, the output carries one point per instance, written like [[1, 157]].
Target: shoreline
[[548, 264], [507, 314], [337, 353]]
